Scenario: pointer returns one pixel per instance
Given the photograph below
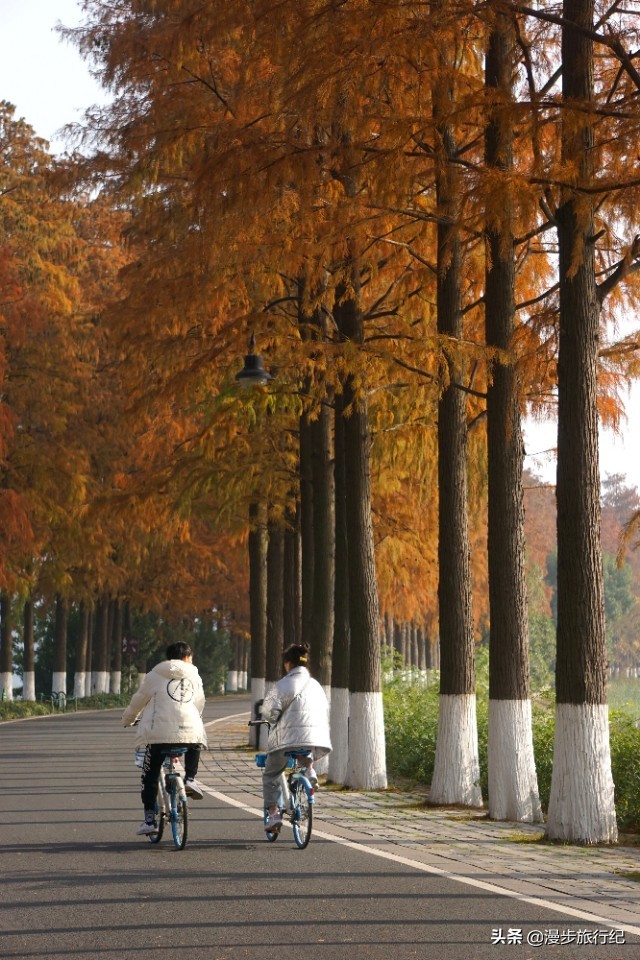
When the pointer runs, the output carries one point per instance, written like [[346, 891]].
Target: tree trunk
[[581, 805], [367, 763], [513, 784], [275, 604], [321, 637], [100, 666], [233, 671], [257, 609], [29, 665], [115, 682], [59, 679], [456, 772], [338, 758], [88, 685], [422, 652], [6, 647], [292, 609], [80, 678]]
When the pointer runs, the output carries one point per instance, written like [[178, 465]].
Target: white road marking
[[425, 868]]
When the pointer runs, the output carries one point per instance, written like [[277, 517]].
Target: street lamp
[[253, 374]]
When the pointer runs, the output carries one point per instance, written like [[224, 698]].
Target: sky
[[50, 86]]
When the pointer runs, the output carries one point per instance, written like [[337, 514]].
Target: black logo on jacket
[[180, 690]]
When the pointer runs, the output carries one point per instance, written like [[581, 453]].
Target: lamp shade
[[253, 374]]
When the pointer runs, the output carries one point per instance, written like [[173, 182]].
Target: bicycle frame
[[301, 794], [172, 800]]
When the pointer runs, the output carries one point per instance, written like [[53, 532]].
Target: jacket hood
[[175, 670]]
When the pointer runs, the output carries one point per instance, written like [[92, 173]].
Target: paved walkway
[[589, 881]]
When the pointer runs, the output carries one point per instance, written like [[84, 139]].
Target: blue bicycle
[[301, 795], [171, 802]]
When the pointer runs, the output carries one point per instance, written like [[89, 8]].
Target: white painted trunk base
[[338, 758], [6, 685], [581, 807], [115, 681], [232, 681], [513, 782], [28, 685], [242, 681], [79, 684], [100, 681], [257, 693], [456, 774], [322, 766], [59, 682], [366, 767], [141, 677]]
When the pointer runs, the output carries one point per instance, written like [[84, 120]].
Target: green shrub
[[625, 764], [17, 709], [411, 722], [411, 726]]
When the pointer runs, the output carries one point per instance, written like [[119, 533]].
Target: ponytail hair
[[297, 654]]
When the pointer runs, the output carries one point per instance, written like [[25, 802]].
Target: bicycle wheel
[[179, 817], [159, 810], [302, 814]]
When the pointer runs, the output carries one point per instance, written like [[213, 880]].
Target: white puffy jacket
[[298, 711], [169, 702]]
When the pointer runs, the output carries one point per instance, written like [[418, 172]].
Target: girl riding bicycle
[[298, 711]]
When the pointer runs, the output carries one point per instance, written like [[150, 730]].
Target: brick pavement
[[457, 842]]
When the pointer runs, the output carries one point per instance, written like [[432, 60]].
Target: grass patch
[[630, 875], [525, 838]]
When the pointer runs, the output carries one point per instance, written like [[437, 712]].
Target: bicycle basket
[[261, 759]]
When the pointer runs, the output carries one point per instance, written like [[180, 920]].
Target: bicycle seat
[[173, 751], [297, 753]]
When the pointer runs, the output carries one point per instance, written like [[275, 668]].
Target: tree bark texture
[[581, 655], [292, 609], [366, 763], [339, 756], [257, 609], [275, 603], [581, 802], [59, 680], [116, 647], [258, 590], [321, 637], [457, 674], [6, 646], [80, 680], [100, 666], [364, 670], [307, 550], [456, 767], [513, 785], [28, 676], [340, 660]]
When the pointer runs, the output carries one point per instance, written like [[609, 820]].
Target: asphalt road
[[76, 882]]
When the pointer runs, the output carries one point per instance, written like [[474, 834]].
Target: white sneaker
[[193, 789], [273, 821], [311, 776], [146, 829]]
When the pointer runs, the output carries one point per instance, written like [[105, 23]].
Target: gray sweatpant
[[274, 783]]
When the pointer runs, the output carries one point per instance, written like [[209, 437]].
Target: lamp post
[[253, 374]]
